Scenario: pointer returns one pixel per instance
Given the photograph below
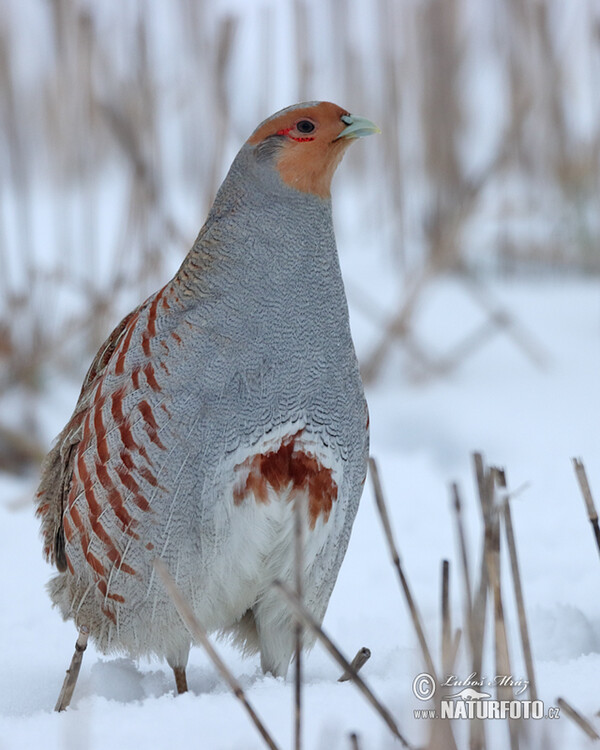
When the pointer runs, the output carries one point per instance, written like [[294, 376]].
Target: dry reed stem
[[479, 610], [198, 633], [391, 74], [505, 692], [354, 744], [223, 53], [425, 365], [477, 735], [318, 631], [299, 508], [477, 739], [441, 732], [396, 328], [303, 67], [493, 477], [497, 313], [19, 450], [362, 657], [414, 613], [450, 641], [485, 485], [516, 576], [446, 622], [66, 693], [578, 719], [586, 491], [449, 649], [464, 557]]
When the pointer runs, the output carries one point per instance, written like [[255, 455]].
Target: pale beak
[[357, 127]]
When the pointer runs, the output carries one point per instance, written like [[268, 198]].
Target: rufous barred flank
[[222, 400]]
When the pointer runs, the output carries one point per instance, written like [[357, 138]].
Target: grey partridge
[[227, 396]]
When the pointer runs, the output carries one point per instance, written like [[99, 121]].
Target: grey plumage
[[239, 370]]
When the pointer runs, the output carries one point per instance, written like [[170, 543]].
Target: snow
[[531, 420]]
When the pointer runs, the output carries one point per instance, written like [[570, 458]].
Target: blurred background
[[121, 117]]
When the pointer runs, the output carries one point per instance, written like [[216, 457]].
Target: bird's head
[[305, 143]]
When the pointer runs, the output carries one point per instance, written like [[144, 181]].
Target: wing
[[57, 468]]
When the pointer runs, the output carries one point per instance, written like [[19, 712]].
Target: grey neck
[[266, 239]]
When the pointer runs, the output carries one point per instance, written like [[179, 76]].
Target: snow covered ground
[[531, 421]]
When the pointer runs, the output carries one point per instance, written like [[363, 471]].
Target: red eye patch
[[286, 131]]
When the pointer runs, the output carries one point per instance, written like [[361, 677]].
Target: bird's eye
[[305, 126]]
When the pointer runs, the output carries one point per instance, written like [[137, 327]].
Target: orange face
[[309, 150]]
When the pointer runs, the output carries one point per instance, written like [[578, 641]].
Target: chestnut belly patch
[[289, 467]]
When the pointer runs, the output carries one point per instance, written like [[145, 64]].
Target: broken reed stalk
[[309, 622], [299, 506], [577, 718], [199, 635], [446, 624], [450, 641], [362, 657], [460, 530], [477, 625], [482, 487], [479, 609], [66, 693], [477, 736], [584, 485], [442, 734], [502, 319], [505, 692], [516, 576], [493, 477], [381, 506]]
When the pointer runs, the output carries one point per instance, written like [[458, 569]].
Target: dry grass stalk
[[476, 625], [584, 485], [578, 719], [505, 322], [438, 30], [397, 329], [362, 657], [416, 618], [354, 744], [477, 736], [223, 53], [303, 52], [505, 692], [446, 621], [18, 450], [66, 693], [464, 557], [479, 610], [318, 631], [516, 576], [199, 635], [392, 73], [450, 640], [441, 731], [299, 508]]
